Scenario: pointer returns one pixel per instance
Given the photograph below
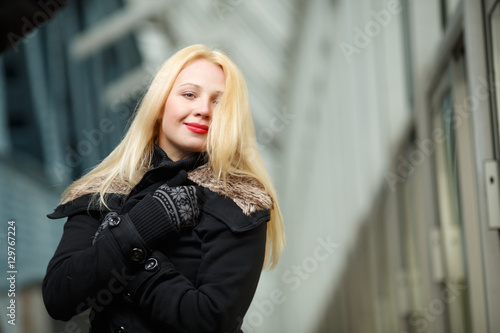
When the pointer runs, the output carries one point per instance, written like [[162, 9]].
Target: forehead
[[202, 72]]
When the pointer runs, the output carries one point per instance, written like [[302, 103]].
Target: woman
[[169, 233]]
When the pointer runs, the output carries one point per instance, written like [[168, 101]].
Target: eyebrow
[[196, 86], [190, 84]]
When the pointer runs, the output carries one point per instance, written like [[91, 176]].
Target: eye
[[189, 95], [216, 99]]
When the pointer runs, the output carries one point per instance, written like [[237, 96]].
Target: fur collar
[[246, 192]]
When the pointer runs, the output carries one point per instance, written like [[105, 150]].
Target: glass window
[[450, 219], [22, 122]]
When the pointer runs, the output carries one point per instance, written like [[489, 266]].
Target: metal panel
[[492, 193], [468, 198], [484, 150]]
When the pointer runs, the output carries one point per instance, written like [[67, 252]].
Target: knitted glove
[[138, 197], [168, 210], [180, 204], [139, 194]]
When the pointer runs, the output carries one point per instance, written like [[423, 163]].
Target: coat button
[[121, 329], [113, 219], [151, 264], [136, 255], [127, 297]]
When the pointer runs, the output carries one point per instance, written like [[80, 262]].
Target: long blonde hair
[[231, 144]]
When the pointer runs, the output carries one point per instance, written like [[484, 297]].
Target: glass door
[[446, 121]]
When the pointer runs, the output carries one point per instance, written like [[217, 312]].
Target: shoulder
[[246, 192], [80, 199], [242, 204], [117, 186], [86, 204]]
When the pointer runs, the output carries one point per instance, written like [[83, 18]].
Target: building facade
[[378, 120]]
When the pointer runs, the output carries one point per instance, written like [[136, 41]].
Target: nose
[[204, 110]]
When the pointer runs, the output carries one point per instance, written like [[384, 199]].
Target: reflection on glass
[[495, 36], [450, 221]]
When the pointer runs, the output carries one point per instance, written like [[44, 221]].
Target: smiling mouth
[[197, 128]]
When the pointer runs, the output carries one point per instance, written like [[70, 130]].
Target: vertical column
[[4, 129]]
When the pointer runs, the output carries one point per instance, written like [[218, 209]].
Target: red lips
[[197, 128]]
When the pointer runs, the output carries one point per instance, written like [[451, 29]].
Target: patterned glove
[[166, 212], [170, 197], [140, 191], [180, 204]]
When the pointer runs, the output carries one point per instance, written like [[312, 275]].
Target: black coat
[[200, 280]]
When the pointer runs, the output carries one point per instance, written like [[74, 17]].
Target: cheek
[[172, 112], [168, 116]]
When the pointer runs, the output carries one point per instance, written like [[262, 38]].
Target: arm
[[82, 265], [78, 269], [230, 268], [233, 251]]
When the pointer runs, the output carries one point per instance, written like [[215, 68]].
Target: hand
[[140, 191], [180, 203], [166, 212]]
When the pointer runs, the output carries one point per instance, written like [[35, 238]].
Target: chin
[[199, 150], [196, 148]]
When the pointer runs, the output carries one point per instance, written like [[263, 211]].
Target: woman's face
[[188, 109]]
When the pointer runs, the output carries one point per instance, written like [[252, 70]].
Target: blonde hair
[[231, 145]]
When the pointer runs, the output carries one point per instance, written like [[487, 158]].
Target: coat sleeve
[[233, 248], [80, 272]]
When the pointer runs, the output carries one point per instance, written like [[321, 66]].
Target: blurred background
[[378, 120]]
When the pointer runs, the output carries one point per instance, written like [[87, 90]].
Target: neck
[[178, 156]]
